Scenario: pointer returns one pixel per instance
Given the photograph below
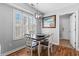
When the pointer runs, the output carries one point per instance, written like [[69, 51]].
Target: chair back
[[28, 40], [50, 38]]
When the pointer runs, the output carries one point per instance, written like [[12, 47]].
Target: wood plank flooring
[[65, 43], [56, 51]]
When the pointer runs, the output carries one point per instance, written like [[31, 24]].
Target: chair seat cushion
[[32, 46], [45, 43]]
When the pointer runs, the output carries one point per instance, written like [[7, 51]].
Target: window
[[32, 25], [19, 24], [23, 23]]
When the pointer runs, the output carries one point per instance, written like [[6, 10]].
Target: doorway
[[67, 30]]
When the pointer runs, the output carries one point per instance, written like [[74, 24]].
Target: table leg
[[39, 49], [51, 49]]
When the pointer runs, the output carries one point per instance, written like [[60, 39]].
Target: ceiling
[[49, 7]]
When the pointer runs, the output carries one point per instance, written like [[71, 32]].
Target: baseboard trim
[[55, 43], [14, 50], [64, 39]]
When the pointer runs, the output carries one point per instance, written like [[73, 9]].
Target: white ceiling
[[50, 7]]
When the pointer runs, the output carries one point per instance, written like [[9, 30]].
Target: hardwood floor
[[56, 51], [65, 43], [64, 51]]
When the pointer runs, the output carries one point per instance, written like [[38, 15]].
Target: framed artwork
[[49, 22]]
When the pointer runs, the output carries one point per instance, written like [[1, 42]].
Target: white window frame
[[14, 25]]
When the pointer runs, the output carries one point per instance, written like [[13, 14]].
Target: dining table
[[40, 38]]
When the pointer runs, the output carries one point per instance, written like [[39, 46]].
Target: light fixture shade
[[38, 16]]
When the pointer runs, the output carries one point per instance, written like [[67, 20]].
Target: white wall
[[66, 10], [64, 26], [6, 28], [0, 49]]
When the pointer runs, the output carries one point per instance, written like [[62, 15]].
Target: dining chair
[[30, 42], [48, 43]]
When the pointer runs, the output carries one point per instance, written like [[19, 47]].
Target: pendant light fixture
[[37, 15]]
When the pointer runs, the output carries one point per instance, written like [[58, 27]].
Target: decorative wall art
[[49, 22]]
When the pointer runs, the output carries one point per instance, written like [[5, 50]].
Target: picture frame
[[49, 22]]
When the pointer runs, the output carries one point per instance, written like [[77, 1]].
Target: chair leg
[[31, 52], [51, 48], [39, 49], [48, 51]]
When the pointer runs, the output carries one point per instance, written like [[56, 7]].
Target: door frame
[[76, 30]]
